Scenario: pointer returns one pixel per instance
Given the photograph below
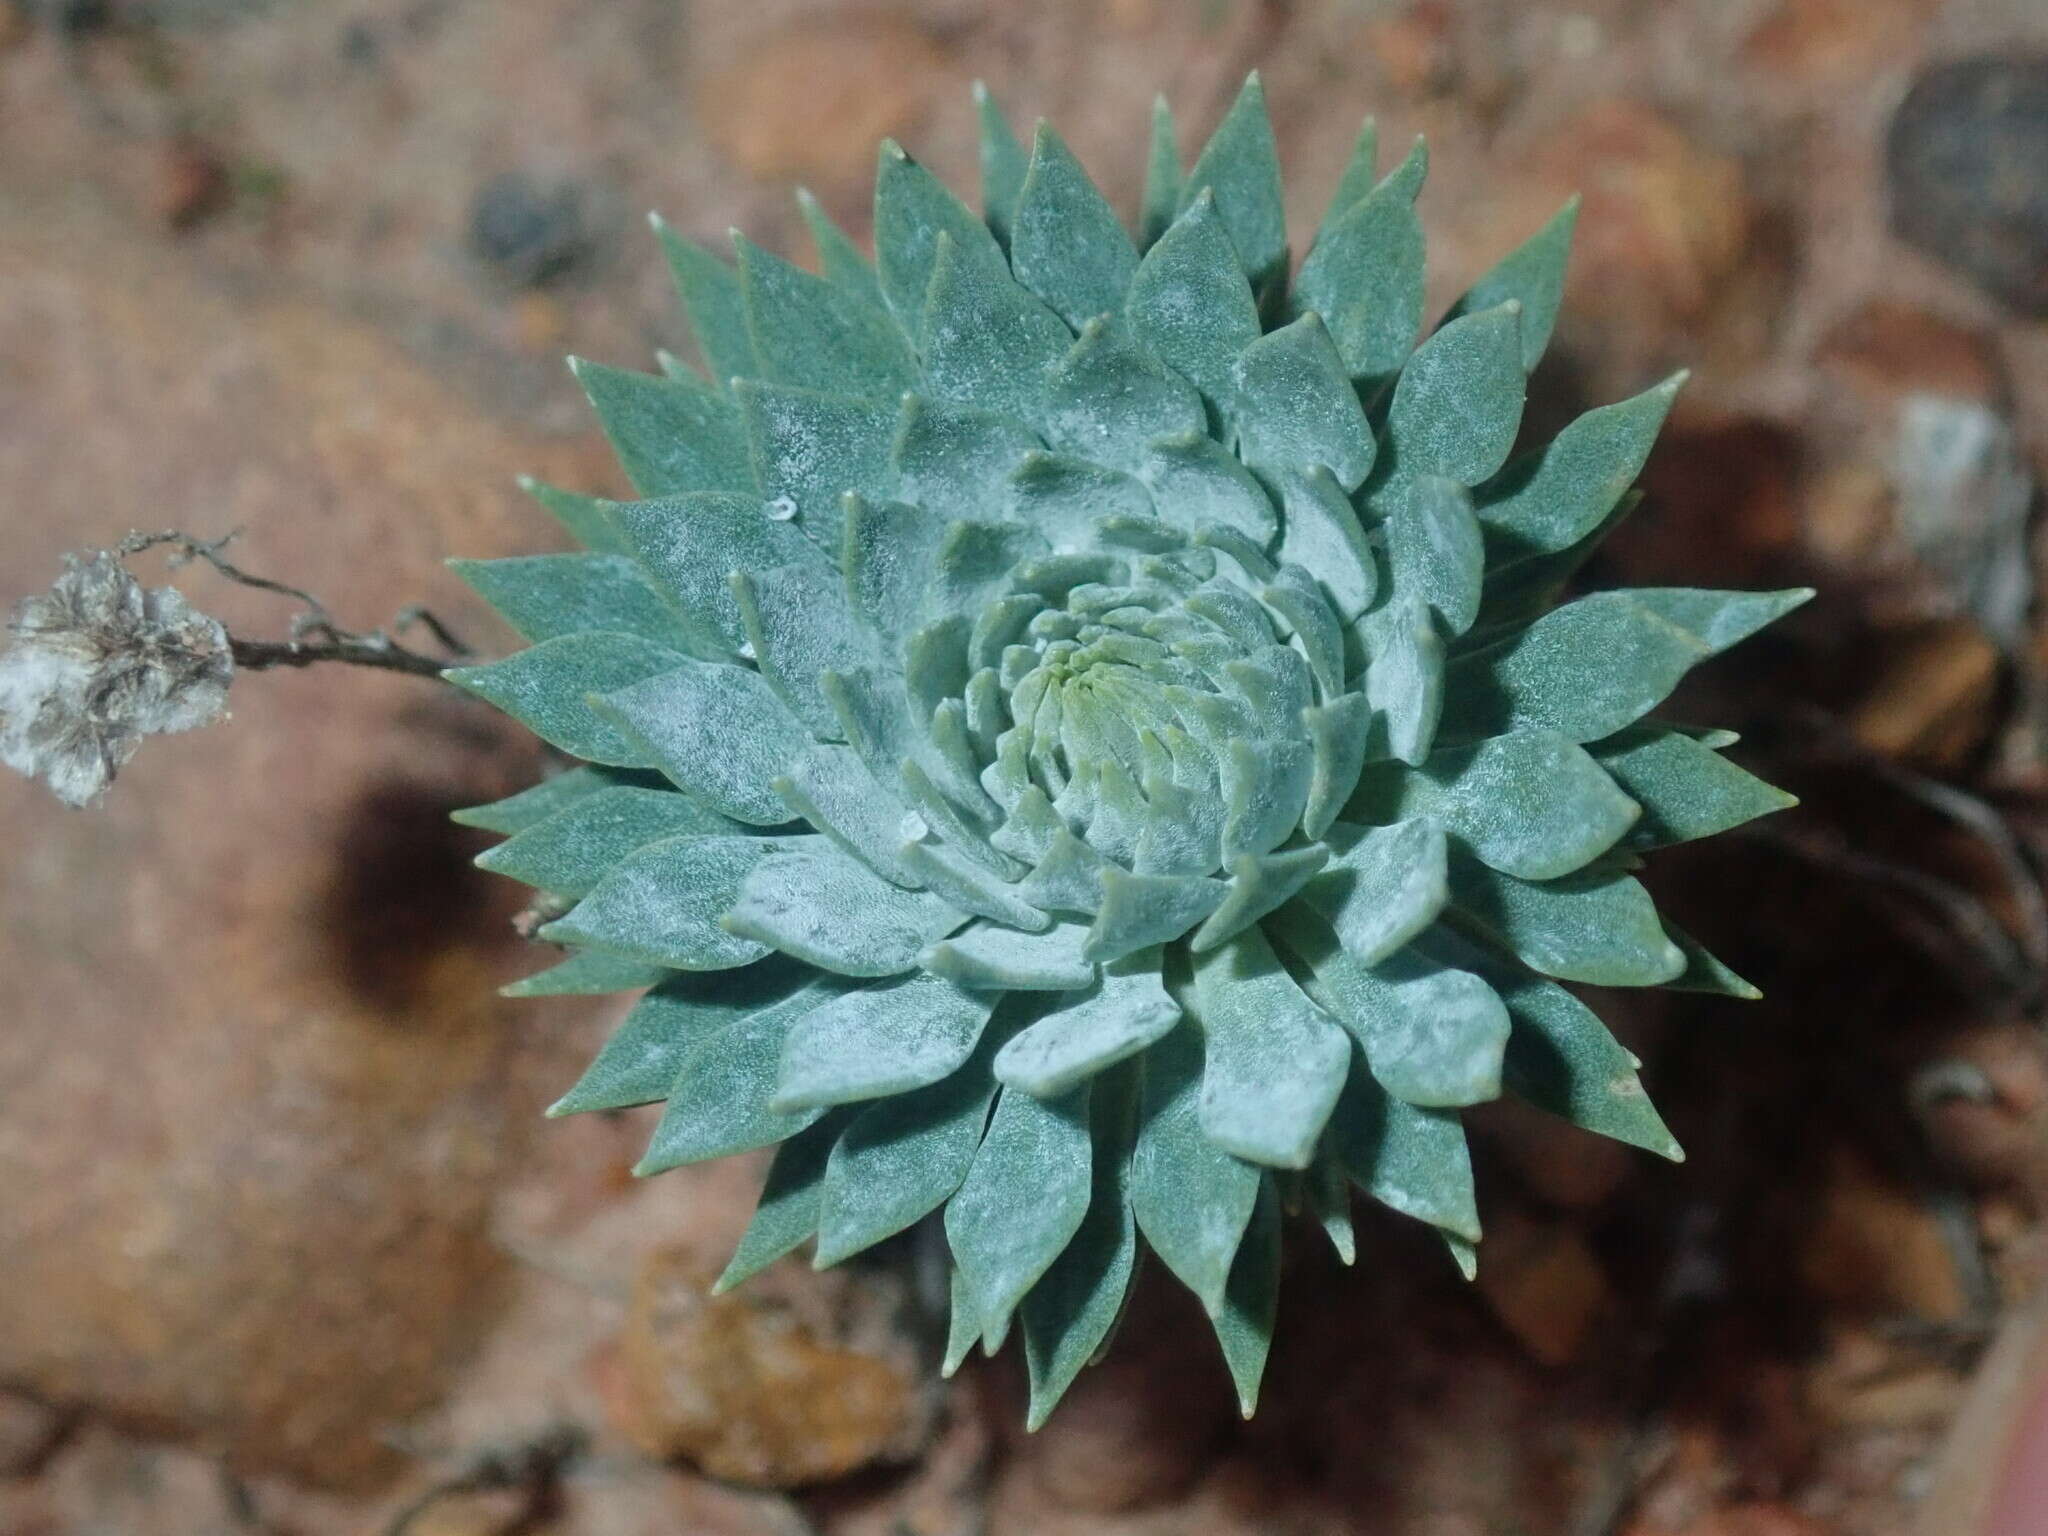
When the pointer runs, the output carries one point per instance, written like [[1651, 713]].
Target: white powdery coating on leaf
[[98, 663]]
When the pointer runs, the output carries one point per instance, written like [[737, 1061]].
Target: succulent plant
[[1081, 732]]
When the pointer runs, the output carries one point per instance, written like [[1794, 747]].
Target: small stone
[[531, 232], [1544, 1283], [29, 1431], [1834, 42], [797, 1377], [1963, 159], [782, 509], [1873, 1249], [1931, 696], [1886, 350], [191, 184]]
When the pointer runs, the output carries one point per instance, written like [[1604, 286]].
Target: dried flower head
[[96, 664]]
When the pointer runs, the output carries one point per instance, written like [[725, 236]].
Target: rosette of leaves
[[1082, 734]]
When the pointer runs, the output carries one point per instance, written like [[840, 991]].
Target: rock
[[1665, 220], [530, 231], [1544, 1283], [1866, 1382], [1930, 694], [1963, 162], [1848, 514], [1415, 48], [1886, 350], [797, 1377], [29, 1433], [1984, 1104], [1749, 1519], [1822, 43], [1965, 494], [1874, 1251], [809, 102], [192, 184], [103, 1481]]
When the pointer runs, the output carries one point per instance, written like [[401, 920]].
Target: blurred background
[[284, 1246]]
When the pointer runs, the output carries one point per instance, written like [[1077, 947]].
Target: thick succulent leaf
[[586, 519], [720, 1100], [885, 1038], [1599, 926], [1190, 302], [838, 257], [1554, 496], [531, 806], [1338, 734], [1520, 588], [1406, 679], [952, 460], [988, 343], [1434, 549], [1162, 176], [1258, 884], [1562, 1059], [798, 628], [1327, 1193], [672, 436], [1295, 408], [1585, 670], [1532, 275], [810, 451], [1141, 910], [1274, 1062], [1192, 1199], [1070, 1313], [1458, 403], [1530, 804], [901, 1158], [1110, 398], [1251, 1301], [787, 1213], [1003, 164], [890, 556], [1704, 972], [992, 958], [1067, 245], [963, 1326], [810, 331], [1024, 1198], [544, 596], [691, 545], [830, 910], [546, 688], [1686, 789], [662, 905], [1069, 499], [832, 789], [1240, 168], [1198, 484], [710, 291], [571, 850], [1410, 1159], [1719, 619], [1432, 1034], [639, 1063], [1364, 277], [721, 734], [1355, 183], [913, 210], [1125, 1010], [1265, 790], [587, 973], [1382, 886], [1323, 536]]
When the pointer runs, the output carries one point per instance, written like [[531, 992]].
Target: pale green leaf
[[1191, 304], [1067, 245], [787, 1214], [1122, 1013], [1598, 926], [662, 904], [571, 850], [1240, 168], [1531, 275], [1273, 1061], [1382, 886], [543, 596], [1458, 403], [885, 1038], [546, 688], [720, 733], [829, 910], [1364, 277], [691, 545], [1549, 499], [1024, 1198], [710, 291], [1294, 406], [810, 331], [1686, 789], [671, 436], [1191, 1198]]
